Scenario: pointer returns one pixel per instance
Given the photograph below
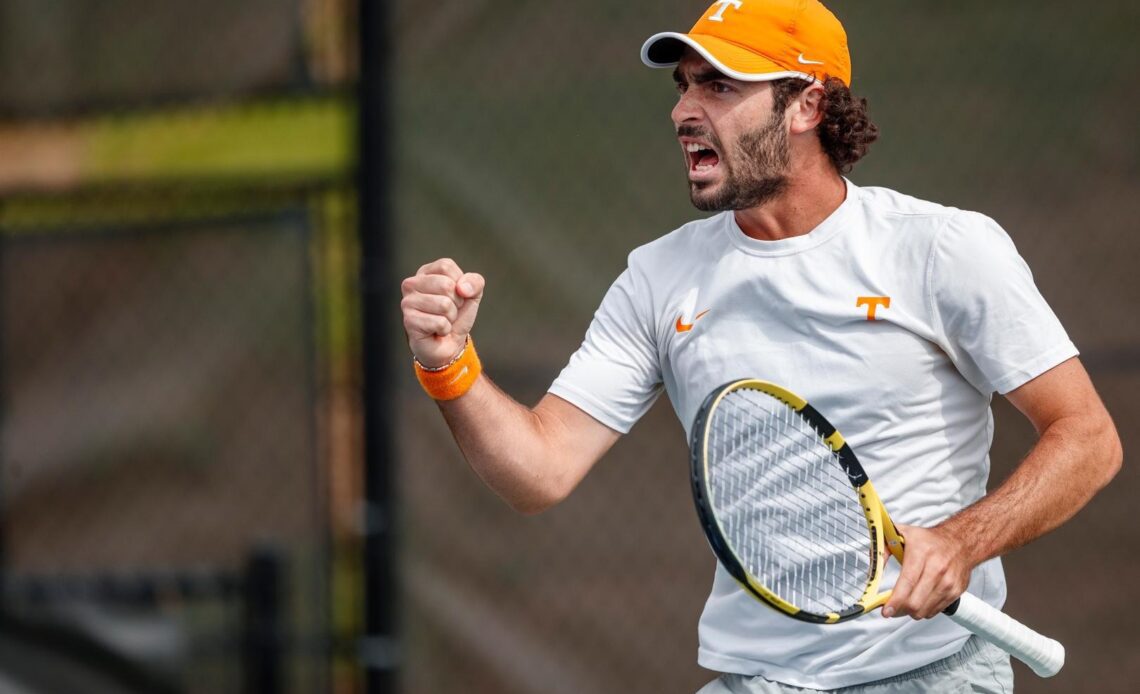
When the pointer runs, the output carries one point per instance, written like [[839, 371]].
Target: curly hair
[[846, 131]]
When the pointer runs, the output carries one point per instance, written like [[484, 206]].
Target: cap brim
[[665, 49]]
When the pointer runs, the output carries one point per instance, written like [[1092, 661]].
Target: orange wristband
[[451, 381]]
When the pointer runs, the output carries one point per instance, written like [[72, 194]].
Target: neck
[[810, 198]]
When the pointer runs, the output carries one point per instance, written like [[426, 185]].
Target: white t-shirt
[[956, 317]]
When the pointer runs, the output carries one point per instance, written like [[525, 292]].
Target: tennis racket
[[794, 519]]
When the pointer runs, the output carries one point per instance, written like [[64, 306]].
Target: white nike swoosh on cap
[[804, 61]]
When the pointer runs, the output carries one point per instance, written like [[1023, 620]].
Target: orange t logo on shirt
[[872, 303]]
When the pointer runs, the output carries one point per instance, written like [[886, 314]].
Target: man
[[898, 318]]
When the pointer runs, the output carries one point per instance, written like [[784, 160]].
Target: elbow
[[532, 505], [1111, 452], [539, 498], [1115, 457]]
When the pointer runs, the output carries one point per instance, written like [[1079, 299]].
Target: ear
[[806, 110]]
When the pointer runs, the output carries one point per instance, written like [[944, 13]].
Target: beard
[[755, 170]]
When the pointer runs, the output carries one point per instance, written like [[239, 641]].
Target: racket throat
[[882, 532]]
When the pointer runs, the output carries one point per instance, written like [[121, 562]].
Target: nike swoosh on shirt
[[804, 61], [686, 327]]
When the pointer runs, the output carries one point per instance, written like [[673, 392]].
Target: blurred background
[[217, 473]]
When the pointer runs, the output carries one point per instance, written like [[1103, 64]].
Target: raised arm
[[531, 457], [1077, 453]]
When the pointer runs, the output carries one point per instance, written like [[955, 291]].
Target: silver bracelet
[[446, 366]]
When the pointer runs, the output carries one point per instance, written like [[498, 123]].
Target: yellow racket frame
[[885, 538]]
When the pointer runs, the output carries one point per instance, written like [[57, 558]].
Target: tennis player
[[899, 318]]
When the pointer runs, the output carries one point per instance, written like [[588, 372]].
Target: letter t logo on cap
[[719, 16]]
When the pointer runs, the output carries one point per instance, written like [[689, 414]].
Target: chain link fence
[[161, 400], [178, 442]]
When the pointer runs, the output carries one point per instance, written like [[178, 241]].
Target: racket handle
[[1042, 654]]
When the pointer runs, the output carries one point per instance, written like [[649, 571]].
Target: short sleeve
[[615, 376], [987, 312]]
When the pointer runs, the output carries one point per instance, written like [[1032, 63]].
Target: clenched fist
[[439, 306]]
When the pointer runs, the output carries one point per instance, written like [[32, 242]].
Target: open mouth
[[702, 158]]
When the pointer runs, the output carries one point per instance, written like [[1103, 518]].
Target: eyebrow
[[701, 77]]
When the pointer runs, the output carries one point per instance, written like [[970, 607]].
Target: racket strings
[[785, 505]]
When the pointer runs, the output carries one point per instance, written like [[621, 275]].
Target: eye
[[681, 87], [720, 87]]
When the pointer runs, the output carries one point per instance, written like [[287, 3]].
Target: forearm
[[514, 449], [1076, 454], [1074, 458], [531, 457]]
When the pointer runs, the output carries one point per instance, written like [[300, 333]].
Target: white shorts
[[978, 668]]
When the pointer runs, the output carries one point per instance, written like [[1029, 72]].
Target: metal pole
[[264, 631], [379, 648], [3, 403]]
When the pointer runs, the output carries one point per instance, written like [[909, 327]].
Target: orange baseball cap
[[760, 40]]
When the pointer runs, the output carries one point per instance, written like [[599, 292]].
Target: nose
[[686, 108]]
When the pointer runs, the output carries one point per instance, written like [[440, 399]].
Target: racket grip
[[1042, 654]]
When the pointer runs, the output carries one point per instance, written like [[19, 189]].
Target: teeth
[[694, 147]]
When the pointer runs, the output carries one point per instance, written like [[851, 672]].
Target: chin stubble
[[754, 174]]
